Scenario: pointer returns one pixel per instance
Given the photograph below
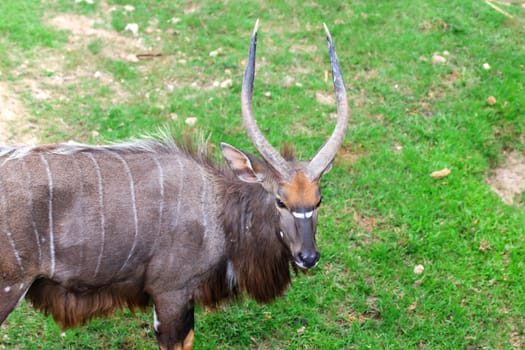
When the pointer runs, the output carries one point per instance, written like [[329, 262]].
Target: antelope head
[[294, 185]]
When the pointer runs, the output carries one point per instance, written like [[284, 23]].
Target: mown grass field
[[71, 72]]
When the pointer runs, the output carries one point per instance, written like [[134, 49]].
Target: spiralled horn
[[326, 154], [271, 156]]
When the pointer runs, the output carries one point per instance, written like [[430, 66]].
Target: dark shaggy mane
[[260, 260], [164, 142], [72, 308]]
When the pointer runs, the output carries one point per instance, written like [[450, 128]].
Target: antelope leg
[[174, 320], [11, 293]]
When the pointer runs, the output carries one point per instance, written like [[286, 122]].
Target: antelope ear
[[241, 164]]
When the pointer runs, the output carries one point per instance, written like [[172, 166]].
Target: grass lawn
[[419, 76]]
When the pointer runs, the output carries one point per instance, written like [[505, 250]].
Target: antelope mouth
[[302, 262], [301, 265]]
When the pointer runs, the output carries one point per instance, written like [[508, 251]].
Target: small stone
[[486, 66], [226, 83], [491, 100], [97, 75], [439, 174], [132, 58], [418, 269], [438, 59], [133, 28], [268, 94], [215, 53], [191, 121]]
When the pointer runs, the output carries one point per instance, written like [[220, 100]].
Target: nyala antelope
[[85, 230]]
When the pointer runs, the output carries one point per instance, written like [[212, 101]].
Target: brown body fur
[[250, 227]]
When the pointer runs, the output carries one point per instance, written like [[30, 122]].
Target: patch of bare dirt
[[14, 128], [48, 77], [84, 29], [508, 181]]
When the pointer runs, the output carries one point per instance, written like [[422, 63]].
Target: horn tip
[[328, 36], [256, 27]]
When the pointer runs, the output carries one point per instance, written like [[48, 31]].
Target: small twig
[[489, 2], [142, 56]]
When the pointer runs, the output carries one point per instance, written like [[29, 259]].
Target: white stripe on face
[[305, 215]]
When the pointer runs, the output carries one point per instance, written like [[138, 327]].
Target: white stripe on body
[[204, 201], [31, 206], [156, 322], [101, 208], [51, 232], [161, 203], [133, 206], [180, 187], [8, 231], [231, 278]]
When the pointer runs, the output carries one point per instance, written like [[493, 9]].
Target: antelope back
[[90, 214]]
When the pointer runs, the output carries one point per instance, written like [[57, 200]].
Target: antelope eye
[[280, 203]]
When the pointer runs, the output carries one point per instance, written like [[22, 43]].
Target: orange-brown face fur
[[300, 192]]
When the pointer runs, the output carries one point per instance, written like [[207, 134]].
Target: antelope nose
[[308, 259]]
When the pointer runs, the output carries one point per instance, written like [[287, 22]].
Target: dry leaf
[[484, 246], [440, 173], [324, 98]]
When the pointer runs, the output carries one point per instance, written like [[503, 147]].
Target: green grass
[[382, 213]]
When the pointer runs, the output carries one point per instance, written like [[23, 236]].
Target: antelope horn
[[326, 154], [261, 144]]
